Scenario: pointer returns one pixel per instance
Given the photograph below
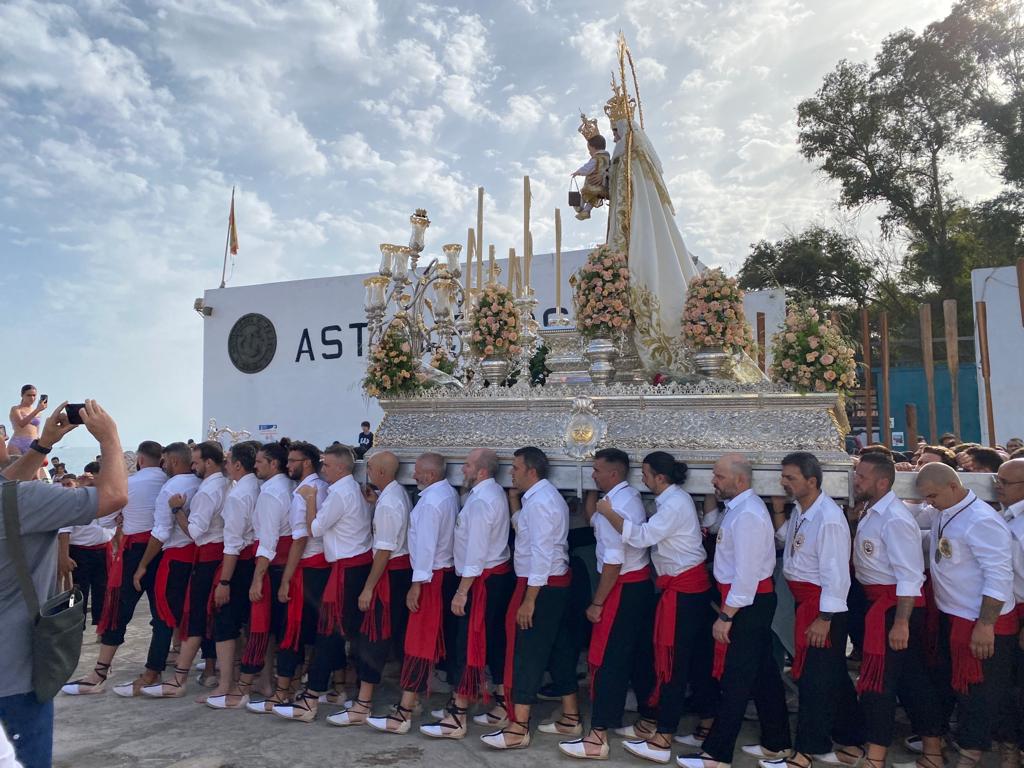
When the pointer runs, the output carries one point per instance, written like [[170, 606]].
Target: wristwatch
[[723, 616], [35, 446], [825, 615]]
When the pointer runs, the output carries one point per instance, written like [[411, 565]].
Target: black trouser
[[229, 619], [313, 582], [828, 702], [278, 615], [905, 678], [857, 605], [449, 622], [750, 672], [178, 575], [546, 646], [691, 663], [377, 652], [628, 658], [90, 576], [499, 592], [329, 649], [130, 596], [199, 590], [978, 711]]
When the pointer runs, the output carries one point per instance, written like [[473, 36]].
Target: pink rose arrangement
[[391, 369], [713, 314], [811, 354], [601, 292], [495, 326]]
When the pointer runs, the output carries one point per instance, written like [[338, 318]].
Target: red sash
[[382, 597], [602, 630], [259, 614], [109, 618], [872, 670], [511, 626], [206, 553], [476, 649], [764, 587], [293, 627], [692, 581], [967, 669], [931, 623], [211, 605], [333, 604], [184, 554], [807, 596], [424, 640]]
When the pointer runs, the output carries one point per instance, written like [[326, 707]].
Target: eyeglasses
[[1000, 483]]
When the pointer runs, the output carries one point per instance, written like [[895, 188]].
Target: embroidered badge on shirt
[[720, 536], [798, 541], [868, 546]]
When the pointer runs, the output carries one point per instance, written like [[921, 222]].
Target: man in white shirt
[[205, 528], [972, 578], [621, 610], [431, 542], [83, 555], [230, 599], [344, 522], [816, 564], [889, 564], [481, 556], [305, 575], [272, 531], [121, 595], [1009, 483], [170, 541], [535, 624], [743, 567]]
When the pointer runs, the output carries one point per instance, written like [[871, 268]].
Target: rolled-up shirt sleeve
[[542, 545], [748, 558], [200, 514], [387, 526], [477, 521], [988, 543], [613, 551], [834, 566], [266, 523], [423, 546], [163, 518], [234, 525], [903, 545], [328, 514]]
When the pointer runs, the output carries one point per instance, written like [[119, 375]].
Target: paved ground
[[107, 731]]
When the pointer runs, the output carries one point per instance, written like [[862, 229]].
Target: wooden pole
[[479, 234], [886, 402], [492, 275], [470, 242], [953, 359], [558, 266], [526, 232], [928, 362], [981, 313], [761, 362], [910, 410], [865, 333]]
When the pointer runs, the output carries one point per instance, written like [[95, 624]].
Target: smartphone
[[3, 431], [44, 399], [74, 412]]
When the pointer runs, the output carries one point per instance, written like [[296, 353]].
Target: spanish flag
[[232, 229]]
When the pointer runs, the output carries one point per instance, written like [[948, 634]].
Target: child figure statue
[[594, 171]]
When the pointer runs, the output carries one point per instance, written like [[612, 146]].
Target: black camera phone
[[74, 412]]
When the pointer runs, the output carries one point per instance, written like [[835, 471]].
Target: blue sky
[[123, 126]]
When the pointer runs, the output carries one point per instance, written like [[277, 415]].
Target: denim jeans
[[29, 727]]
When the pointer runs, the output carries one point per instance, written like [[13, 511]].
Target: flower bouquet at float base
[[601, 295], [392, 371], [714, 325], [812, 355], [495, 332]]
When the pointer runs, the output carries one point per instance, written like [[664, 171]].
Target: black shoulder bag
[[57, 625]]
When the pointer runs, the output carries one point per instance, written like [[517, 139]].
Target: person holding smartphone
[[25, 418]]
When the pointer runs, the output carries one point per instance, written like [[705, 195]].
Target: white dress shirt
[[270, 517], [205, 522], [980, 564], [238, 513], [344, 521], [611, 549], [481, 530], [745, 548], [391, 520], [887, 547], [1015, 514], [432, 530], [165, 527], [143, 488], [672, 533], [542, 535], [297, 515], [818, 551], [91, 535]]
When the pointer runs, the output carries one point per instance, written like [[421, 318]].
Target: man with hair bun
[[683, 617]]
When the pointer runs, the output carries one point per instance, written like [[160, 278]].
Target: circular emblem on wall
[[252, 343]]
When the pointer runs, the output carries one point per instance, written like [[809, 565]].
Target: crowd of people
[[294, 581]]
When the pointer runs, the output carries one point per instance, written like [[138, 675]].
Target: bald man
[[382, 599], [972, 576], [1010, 492], [431, 542]]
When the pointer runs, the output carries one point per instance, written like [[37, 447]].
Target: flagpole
[[227, 241]]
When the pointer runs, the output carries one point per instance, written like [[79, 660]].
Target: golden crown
[[588, 127], [621, 105]]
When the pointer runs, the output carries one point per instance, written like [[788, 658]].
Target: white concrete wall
[[997, 287]]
